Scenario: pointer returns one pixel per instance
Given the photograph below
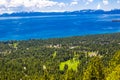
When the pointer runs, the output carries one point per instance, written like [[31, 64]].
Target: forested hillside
[[92, 57]]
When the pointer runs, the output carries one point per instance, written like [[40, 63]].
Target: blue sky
[[9, 6]]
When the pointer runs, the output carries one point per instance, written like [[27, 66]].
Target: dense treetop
[[92, 57]]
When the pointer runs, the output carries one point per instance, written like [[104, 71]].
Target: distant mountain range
[[87, 11]]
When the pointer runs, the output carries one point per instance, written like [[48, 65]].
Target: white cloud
[[32, 3], [90, 0], [86, 3], [2, 2], [27, 5], [98, 6], [105, 2], [74, 2], [62, 4], [118, 1], [51, 5]]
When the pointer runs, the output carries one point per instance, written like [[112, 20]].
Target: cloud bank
[[27, 5], [105, 2], [9, 6]]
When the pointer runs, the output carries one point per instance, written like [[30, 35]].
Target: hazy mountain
[[86, 11]]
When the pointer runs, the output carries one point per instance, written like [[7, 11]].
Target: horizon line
[[55, 11]]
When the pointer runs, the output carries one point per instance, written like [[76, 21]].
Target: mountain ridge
[[85, 11]]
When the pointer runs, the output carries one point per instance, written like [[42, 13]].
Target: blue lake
[[55, 26]]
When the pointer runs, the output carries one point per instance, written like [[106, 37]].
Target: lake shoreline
[[88, 35]]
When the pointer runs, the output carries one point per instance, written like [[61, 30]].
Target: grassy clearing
[[15, 45], [54, 54], [72, 64]]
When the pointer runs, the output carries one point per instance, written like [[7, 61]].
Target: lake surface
[[55, 26]]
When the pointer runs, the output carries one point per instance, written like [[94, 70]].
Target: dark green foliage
[[40, 59]]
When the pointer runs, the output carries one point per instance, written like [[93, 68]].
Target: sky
[[10, 6]]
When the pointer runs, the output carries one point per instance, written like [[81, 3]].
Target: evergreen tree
[[94, 70]]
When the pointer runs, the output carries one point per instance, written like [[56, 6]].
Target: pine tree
[[94, 70], [113, 70]]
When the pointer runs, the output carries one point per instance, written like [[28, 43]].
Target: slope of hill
[[92, 57]]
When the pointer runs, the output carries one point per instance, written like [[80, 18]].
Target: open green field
[[72, 64]]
